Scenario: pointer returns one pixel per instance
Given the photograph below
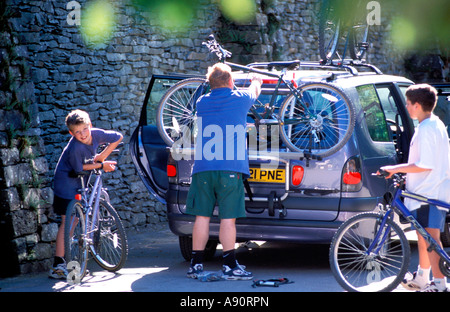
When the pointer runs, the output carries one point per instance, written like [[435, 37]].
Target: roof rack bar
[[347, 64]]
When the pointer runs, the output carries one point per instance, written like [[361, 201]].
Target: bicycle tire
[[74, 243], [176, 114], [359, 32], [329, 32], [110, 246], [358, 37], [444, 266], [356, 271], [326, 125]]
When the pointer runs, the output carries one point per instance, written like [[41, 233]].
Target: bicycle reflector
[[351, 175], [297, 175], [78, 196]]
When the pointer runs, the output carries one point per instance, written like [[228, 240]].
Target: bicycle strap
[[276, 282], [248, 190]]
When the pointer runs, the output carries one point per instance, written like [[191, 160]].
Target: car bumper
[[263, 229]]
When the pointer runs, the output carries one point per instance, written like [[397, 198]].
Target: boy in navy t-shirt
[[78, 155]]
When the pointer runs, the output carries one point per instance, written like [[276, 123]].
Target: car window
[[159, 88], [373, 113], [442, 109]]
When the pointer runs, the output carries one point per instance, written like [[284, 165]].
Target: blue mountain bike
[[370, 251]]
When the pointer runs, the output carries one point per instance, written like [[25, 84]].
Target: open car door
[[147, 149]]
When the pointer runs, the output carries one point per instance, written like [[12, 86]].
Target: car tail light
[[78, 196], [297, 175], [351, 175], [171, 171]]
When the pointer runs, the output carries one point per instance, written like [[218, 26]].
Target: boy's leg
[[433, 257], [433, 220], [59, 252], [59, 269]]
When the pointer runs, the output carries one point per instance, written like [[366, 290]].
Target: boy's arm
[[99, 160], [403, 168], [108, 150]]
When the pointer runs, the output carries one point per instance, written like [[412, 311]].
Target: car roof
[[341, 77]]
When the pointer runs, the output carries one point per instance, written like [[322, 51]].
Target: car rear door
[[148, 151]]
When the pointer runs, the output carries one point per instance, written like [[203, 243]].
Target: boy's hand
[[390, 169], [109, 165]]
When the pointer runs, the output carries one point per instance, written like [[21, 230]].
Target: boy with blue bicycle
[[428, 172], [78, 155]]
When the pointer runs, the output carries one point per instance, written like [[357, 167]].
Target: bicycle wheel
[[329, 31], [110, 246], [354, 269], [320, 123], [176, 115], [444, 266], [74, 243]]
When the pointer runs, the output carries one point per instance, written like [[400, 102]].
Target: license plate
[[267, 175]]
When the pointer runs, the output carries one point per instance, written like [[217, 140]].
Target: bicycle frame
[[215, 47], [91, 202], [398, 206]]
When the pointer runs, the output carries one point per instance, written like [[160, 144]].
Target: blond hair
[[219, 75]]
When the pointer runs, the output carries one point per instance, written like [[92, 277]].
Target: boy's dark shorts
[[60, 205], [225, 188]]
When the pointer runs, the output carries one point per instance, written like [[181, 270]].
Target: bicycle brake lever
[[381, 173]]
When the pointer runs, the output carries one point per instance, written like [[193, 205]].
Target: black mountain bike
[[343, 28]]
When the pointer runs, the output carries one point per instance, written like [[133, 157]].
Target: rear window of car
[[159, 88], [373, 113], [442, 109]]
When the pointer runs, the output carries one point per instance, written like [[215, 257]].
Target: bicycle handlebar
[[399, 178], [214, 47]]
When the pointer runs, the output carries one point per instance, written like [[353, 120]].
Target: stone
[[49, 232]]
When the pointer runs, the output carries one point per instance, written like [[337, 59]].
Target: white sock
[[441, 283], [423, 276]]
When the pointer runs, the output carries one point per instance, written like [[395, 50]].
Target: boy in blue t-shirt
[[78, 155], [219, 168]]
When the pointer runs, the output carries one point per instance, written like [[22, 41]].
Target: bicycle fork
[[382, 231]]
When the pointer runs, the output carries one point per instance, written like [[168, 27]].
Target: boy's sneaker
[[238, 273], [59, 271], [433, 288], [410, 282], [195, 270]]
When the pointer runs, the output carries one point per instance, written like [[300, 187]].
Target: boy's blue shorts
[[429, 216]]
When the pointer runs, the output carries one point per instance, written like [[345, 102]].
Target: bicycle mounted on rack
[[315, 120]]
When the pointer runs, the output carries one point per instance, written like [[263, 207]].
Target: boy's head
[[423, 94], [219, 76], [79, 125]]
